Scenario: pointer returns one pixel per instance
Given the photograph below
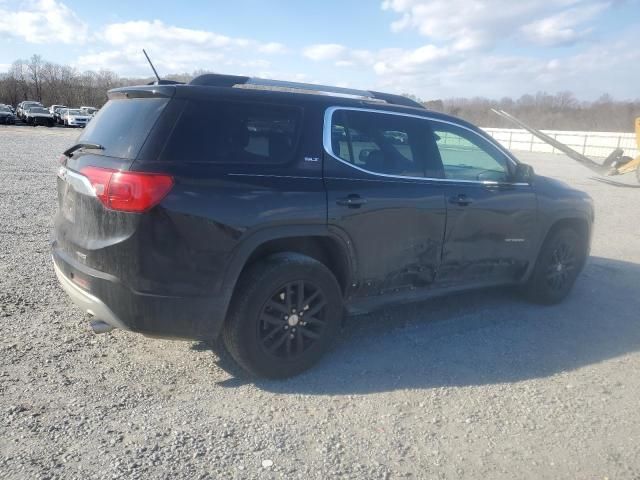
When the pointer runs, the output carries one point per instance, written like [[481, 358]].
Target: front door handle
[[460, 199], [351, 201]]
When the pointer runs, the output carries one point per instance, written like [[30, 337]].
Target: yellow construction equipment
[[615, 164], [632, 165]]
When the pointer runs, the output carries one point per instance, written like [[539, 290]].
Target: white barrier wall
[[591, 144]]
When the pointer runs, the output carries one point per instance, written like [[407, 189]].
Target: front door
[[491, 220]]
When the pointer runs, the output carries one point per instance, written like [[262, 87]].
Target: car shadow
[[475, 338]]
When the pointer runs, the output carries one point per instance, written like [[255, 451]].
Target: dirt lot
[[478, 385]]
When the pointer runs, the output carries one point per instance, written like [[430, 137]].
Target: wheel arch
[[328, 247], [578, 222]]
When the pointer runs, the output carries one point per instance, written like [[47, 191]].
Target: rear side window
[[234, 132], [122, 125], [383, 143]]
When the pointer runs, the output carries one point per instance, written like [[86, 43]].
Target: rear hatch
[[101, 202]]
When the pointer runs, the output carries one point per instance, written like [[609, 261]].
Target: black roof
[[257, 89], [217, 80]]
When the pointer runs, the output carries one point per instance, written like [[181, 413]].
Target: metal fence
[[591, 144]]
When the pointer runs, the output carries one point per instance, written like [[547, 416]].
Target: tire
[[559, 262], [265, 331]]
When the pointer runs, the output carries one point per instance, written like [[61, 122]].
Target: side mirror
[[523, 173]]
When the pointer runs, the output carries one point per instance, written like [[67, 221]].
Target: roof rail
[[218, 80], [165, 82]]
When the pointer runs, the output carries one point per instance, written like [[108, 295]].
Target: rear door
[[378, 196], [491, 220]]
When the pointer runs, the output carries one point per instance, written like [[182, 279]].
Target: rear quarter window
[[234, 132], [122, 125]]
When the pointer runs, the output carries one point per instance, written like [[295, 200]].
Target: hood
[[79, 117], [47, 115]]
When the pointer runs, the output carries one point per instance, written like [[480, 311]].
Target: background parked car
[[91, 111], [35, 116], [6, 116], [57, 116], [54, 108], [74, 117], [22, 106]]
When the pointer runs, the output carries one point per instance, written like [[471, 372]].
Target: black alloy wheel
[[561, 258], [285, 313], [561, 267], [292, 320]]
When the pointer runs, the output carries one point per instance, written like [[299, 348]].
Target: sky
[[429, 48]]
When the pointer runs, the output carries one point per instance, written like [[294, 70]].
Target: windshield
[[38, 110], [75, 112], [122, 125], [4, 109]]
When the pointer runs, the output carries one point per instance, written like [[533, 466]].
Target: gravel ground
[[471, 386]]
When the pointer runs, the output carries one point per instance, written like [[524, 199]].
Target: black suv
[[259, 211]]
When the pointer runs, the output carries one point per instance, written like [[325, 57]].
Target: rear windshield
[[230, 132], [122, 125]]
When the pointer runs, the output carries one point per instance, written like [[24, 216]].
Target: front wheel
[[285, 313], [559, 262]]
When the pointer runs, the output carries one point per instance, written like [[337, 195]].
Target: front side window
[[379, 142], [240, 133], [467, 156]]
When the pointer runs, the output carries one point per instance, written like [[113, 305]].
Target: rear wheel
[[285, 313], [560, 260]]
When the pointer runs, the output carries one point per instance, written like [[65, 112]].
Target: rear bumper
[[106, 298], [88, 303]]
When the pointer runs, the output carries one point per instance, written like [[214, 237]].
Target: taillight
[[128, 191]]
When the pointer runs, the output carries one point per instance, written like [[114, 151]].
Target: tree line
[[52, 83], [562, 111]]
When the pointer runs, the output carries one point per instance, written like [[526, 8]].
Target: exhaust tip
[[98, 326]]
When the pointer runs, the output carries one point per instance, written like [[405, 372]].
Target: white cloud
[[464, 54], [563, 28], [324, 51], [480, 24], [119, 34], [273, 48], [43, 21], [399, 62], [175, 49], [498, 75]]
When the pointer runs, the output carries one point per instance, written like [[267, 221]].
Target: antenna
[[152, 67]]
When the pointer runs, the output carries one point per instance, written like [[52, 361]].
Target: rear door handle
[[351, 201], [460, 199]]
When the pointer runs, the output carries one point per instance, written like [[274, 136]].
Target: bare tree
[[34, 67]]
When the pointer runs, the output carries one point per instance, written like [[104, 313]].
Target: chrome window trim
[[326, 142]]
